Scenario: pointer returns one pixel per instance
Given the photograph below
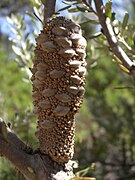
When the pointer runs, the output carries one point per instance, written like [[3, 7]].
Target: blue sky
[[4, 26]]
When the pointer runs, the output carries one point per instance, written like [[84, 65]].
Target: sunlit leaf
[[17, 50], [70, 2], [95, 35], [9, 20], [123, 68], [36, 12], [108, 8], [73, 10]]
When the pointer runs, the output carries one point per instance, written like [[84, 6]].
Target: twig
[[49, 8], [108, 32]]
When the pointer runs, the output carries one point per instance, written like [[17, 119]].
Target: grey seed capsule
[[40, 75], [81, 52], [56, 74], [63, 42], [37, 83], [35, 95], [48, 46], [47, 124], [81, 91], [75, 28], [44, 104], [48, 92], [67, 52], [61, 110], [75, 79], [59, 31], [32, 78], [41, 38], [72, 89], [75, 37], [63, 97], [74, 64], [33, 70], [82, 71], [36, 111], [80, 42], [42, 66]]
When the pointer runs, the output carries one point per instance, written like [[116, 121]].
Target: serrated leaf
[[62, 9]]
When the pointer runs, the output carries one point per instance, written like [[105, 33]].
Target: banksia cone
[[58, 86]]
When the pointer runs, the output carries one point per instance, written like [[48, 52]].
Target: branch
[[108, 32], [34, 166], [11, 136], [49, 8]]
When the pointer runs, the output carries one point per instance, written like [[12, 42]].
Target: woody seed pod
[[58, 80]]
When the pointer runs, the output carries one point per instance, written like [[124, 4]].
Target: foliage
[[15, 107], [105, 123]]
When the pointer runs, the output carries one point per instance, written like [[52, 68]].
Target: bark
[[49, 8], [33, 165], [112, 40]]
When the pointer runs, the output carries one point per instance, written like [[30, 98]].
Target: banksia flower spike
[[58, 86]]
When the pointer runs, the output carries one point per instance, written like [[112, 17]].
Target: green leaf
[[73, 10], [95, 35], [125, 20], [31, 15], [62, 9], [82, 8], [108, 8], [4, 131]]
